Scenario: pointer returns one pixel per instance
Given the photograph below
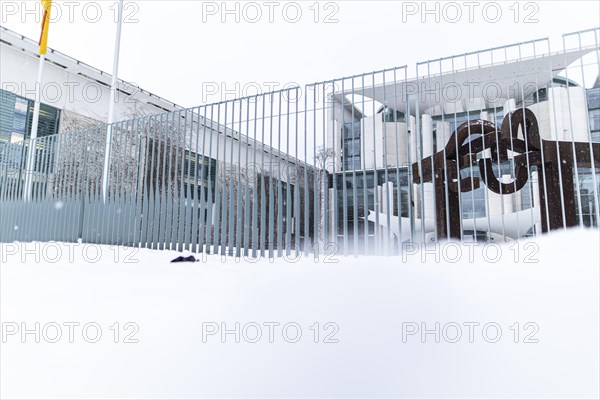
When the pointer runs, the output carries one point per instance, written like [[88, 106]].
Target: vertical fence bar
[[254, 173], [201, 216]]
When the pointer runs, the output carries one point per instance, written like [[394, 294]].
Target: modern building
[[381, 137], [164, 149]]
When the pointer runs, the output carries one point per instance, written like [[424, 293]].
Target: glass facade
[[199, 172], [457, 119], [589, 194], [352, 152], [19, 130], [390, 115], [286, 201], [357, 194], [593, 103], [474, 202], [16, 117]]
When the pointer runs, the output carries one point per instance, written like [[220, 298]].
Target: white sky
[[169, 50]]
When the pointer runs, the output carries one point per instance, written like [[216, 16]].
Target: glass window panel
[[593, 96], [19, 119], [595, 120], [352, 148], [588, 195], [352, 163], [473, 204], [352, 130]]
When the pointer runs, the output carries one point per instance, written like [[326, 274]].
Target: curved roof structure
[[494, 84]]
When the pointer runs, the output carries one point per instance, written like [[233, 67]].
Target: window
[[588, 195], [199, 172], [473, 202], [352, 130], [352, 153], [352, 147], [538, 97], [19, 128], [48, 122], [595, 120], [283, 191], [356, 195], [352, 163], [391, 115], [593, 96], [16, 118]]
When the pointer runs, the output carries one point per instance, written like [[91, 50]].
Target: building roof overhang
[[493, 84]]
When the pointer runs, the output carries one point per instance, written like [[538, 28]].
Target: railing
[[358, 165]]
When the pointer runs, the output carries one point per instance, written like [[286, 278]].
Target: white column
[[509, 106], [536, 199], [507, 198], [428, 204], [412, 127], [427, 133], [443, 135]]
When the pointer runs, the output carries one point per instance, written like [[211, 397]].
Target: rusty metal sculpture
[[555, 161]]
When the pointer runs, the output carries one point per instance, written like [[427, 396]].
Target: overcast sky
[[174, 48]]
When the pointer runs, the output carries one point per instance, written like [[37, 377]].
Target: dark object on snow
[[184, 259]]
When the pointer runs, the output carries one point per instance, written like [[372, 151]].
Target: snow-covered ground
[[517, 321]]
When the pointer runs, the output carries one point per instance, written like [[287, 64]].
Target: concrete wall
[[563, 116], [70, 91], [381, 141]]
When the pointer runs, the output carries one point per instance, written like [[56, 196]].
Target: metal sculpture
[[554, 161]]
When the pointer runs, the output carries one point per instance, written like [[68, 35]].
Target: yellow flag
[[45, 25]]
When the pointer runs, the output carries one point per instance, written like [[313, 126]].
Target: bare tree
[[323, 159]]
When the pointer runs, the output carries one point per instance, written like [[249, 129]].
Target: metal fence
[[493, 145]]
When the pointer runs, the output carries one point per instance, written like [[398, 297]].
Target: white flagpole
[[29, 167], [111, 105]]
